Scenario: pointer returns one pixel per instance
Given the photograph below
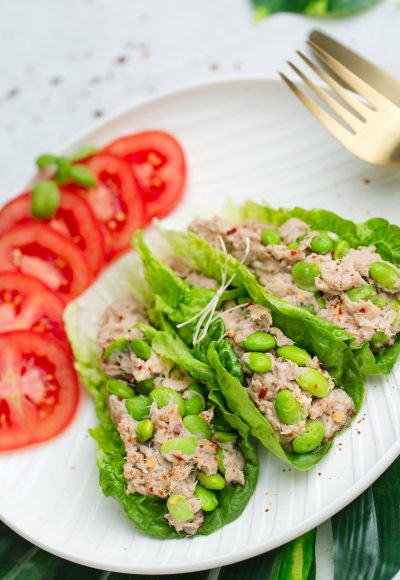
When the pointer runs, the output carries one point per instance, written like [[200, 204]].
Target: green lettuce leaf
[[82, 319], [375, 231], [264, 8]]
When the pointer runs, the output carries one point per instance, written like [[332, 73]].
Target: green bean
[[184, 445], [259, 341], [81, 175], [198, 426], [179, 508], [295, 354], [340, 249], [119, 388], [145, 387], [215, 481], [384, 275], [312, 436], [138, 407], [288, 408], [224, 437], [378, 340], [116, 346], [304, 274], [313, 382], [322, 243], [364, 292], [269, 236], [164, 396], [258, 362], [140, 348], [220, 458], [208, 499], [45, 200], [144, 430], [229, 360]]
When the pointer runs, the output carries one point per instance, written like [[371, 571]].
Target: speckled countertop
[[65, 64]]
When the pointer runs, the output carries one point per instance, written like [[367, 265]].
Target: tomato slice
[[73, 219], [158, 163], [39, 388], [115, 201], [39, 251], [27, 304]]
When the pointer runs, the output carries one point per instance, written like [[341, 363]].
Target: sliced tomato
[[39, 251], [39, 389], [115, 201], [27, 304], [158, 163], [73, 219]]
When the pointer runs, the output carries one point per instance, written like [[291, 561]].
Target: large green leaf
[[366, 535], [263, 8]]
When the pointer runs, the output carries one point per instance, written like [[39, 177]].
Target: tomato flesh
[[158, 162], [39, 389], [115, 201], [74, 219], [27, 304], [37, 250]]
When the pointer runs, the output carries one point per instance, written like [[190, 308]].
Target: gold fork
[[367, 124]]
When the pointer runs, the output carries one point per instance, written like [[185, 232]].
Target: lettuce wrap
[[375, 231], [181, 303], [82, 319]]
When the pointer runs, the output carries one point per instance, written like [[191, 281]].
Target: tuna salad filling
[[289, 387], [352, 288], [177, 447]]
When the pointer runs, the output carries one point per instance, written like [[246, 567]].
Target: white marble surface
[[67, 63]]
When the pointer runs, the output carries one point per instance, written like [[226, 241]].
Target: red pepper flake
[[367, 181], [358, 432], [319, 473], [150, 489], [161, 493], [266, 510], [362, 310], [262, 393], [232, 231], [293, 252]]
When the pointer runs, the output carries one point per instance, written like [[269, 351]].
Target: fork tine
[[341, 134], [349, 118], [364, 111], [349, 77]]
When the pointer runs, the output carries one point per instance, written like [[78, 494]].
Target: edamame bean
[[138, 407], [119, 388], [320, 301], [229, 360], [140, 348], [145, 387], [258, 362], [208, 499], [384, 275], [259, 341], [184, 445], [304, 274], [288, 408], [313, 382], [144, 430], [45, 200], [270, 236], [198, 426], [378, 340], [148, 331], [293, 245], [364, 292], [223, 437], [220, 458], [294, 353], [340, 249], [322, 243], [194, 405], [164, 396], [380, 300], [215, 481], [179, 508], [312, 436], [117, 345]]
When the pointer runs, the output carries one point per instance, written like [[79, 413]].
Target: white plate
[[243, 139]]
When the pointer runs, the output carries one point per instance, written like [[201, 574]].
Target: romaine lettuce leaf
[[82, 319]]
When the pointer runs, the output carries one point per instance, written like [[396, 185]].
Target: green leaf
[[366, 535], [84, 153], [81, 175], [45, 160], [263, 8], [45, 200]]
